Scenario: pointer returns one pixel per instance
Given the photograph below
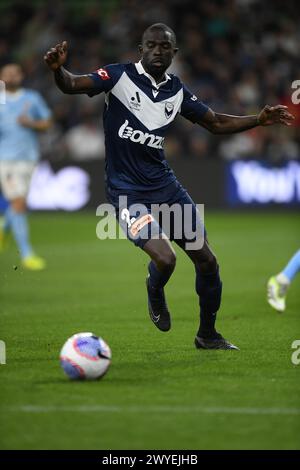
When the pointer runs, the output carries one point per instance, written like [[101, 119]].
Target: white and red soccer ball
[[85, 356]]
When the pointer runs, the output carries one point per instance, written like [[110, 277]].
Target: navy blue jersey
[[137, 115]]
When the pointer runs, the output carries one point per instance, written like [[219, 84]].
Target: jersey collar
[[140, 69], [15, 95]]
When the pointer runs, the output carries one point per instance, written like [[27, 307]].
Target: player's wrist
[[57, 69], [30, 124], [258, 121]]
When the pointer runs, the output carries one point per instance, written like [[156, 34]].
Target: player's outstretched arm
[[66, 81], [226, 124]]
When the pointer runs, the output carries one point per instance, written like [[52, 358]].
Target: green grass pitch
[[160, 392]]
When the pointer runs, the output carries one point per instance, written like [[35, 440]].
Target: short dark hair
[[10, 64], [160, 27]]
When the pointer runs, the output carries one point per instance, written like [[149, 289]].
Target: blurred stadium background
[[237, 55]]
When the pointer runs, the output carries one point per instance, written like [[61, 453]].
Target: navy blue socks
[[158, 279], [209, 289]]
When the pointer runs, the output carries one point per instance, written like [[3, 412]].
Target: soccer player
[[279, 284], [23, 115], [142, 100]]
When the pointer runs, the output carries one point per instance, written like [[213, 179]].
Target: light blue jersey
[[16, 141]]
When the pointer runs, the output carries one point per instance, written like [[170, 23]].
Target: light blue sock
[[19, 226], [6, 225], [293, 266]]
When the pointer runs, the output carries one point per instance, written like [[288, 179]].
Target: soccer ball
[[85, 356]]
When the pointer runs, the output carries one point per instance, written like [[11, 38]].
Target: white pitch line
[[150, 409]]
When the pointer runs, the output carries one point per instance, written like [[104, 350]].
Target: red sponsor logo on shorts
[[103, 74], [140, 223]]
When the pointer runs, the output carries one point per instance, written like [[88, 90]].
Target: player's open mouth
[[157, 62]]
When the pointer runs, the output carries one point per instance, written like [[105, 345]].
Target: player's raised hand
[[24, 119], [56, 56], [275, 115]]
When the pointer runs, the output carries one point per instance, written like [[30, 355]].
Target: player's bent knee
[[212, 264], [208, 265], [166, 261], [18, 205]]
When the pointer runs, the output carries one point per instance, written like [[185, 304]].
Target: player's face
[[12, 75], [157, 51]]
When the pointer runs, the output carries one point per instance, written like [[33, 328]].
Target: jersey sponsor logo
[[140, 137], [169, 108], [194, 98], [140, 223], [103, 74]]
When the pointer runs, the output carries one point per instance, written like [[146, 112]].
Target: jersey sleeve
[[40, 109], [192, 108], [105, 78]]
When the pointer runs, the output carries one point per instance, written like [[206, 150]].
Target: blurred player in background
[[24, 114], [279, 284], [141, 103]]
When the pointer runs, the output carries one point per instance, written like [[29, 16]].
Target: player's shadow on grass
[[56, 380], [154, 366]]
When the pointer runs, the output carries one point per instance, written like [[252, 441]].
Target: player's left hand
[[25, 121], [275, 115], [24, 118]]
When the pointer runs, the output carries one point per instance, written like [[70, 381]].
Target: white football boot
[[276, 293]]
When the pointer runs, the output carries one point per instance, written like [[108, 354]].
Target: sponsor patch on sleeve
[[140, 223], [103, 74]]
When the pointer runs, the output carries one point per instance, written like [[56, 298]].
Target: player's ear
[[175, 50], [140, 48]]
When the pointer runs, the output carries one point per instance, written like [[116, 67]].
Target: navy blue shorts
[[166, 213]]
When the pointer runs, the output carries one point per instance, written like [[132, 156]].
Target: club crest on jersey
[[169, 108], [103, 74]]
